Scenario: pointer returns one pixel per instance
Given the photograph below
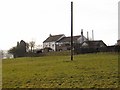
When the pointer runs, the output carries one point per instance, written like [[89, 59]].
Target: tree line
[[22, 49]]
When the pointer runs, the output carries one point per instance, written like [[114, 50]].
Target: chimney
[[81, 31], [18, 44], [87, 36], [50, 35], [92, 35], [82, 38]]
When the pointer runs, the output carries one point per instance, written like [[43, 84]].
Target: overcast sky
[[35, 19]]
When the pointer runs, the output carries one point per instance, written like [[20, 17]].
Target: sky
[[35, 19]]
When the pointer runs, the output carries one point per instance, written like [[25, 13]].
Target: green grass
[[86, 71]]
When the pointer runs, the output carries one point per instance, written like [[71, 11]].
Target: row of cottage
[[61, 42]]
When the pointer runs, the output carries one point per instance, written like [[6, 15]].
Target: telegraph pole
[[71, 31]]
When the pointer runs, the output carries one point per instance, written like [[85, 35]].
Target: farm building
[[61, 42], [93, 44], [90, 46], [65, 43]]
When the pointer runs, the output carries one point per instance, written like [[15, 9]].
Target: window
[[52, 45]]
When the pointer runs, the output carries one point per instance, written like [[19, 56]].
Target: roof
[[53, 38], [95, 43], [68, 39]]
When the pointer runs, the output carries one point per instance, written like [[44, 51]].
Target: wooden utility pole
[[71, 31]]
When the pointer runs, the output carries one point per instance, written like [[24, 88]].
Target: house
[[61, 42], [50, 42], [65, 42]]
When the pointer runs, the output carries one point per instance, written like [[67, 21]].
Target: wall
[[80, 39], [63, 47], [50, 44]]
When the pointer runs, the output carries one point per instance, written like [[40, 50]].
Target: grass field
[[86, 71]]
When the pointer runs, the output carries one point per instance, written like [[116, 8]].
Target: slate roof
[[68, 39], [95, 43], [53, 38]]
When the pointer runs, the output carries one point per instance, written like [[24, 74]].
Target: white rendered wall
[[50, 44]]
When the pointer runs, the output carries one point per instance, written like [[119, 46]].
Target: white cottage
[[50, 42]]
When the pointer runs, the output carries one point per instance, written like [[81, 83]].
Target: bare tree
[[32, 45]]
